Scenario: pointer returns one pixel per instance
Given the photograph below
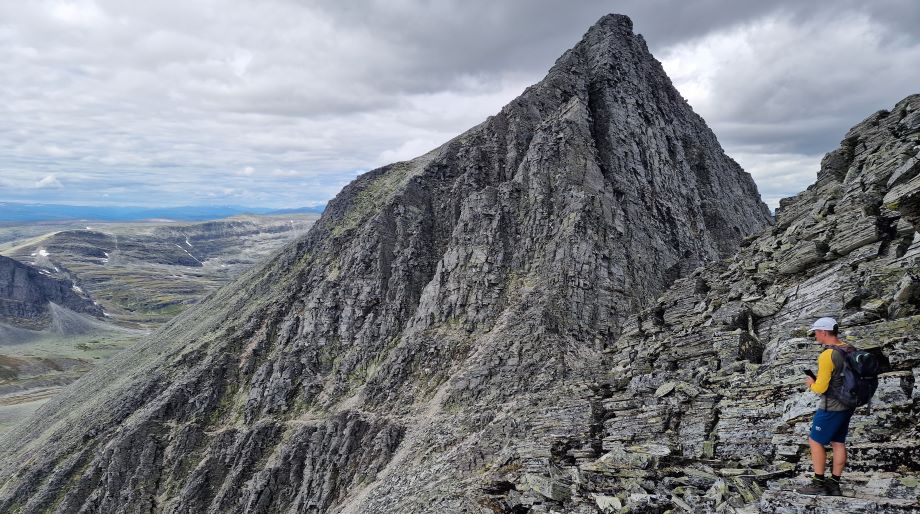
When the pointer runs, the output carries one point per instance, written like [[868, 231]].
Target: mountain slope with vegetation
[[83, 293], [143, 274]]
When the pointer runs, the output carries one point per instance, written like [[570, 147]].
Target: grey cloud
[[151, 101], [791, 85], [779, 175]]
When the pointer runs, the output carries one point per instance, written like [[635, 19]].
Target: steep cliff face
[[25, 294], [704, 406], [437, 324]]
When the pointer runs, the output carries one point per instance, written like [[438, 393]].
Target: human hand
[[809, 381]]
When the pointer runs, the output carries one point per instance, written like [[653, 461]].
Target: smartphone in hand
[[810, 374]]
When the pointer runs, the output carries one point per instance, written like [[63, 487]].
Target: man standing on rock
[[832, 419]]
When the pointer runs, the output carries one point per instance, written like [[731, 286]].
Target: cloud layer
[[280, 103]]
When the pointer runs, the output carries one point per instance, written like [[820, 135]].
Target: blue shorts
[[830, 426]]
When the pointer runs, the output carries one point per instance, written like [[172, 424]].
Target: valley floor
[[142, 274]]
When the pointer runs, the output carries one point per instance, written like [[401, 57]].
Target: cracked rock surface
[[703, 407], [436, 341]]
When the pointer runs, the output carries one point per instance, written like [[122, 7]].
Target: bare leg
[[840, 457], [819, 456]]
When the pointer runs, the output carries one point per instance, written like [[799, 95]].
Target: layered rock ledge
[[704, 409]]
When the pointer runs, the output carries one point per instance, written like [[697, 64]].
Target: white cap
[[823, 324]]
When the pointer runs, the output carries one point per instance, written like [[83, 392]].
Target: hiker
[[832, 418]]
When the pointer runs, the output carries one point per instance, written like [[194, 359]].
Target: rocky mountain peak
[[703, 406], [442, 319]]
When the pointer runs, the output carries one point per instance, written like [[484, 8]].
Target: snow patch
[[77, 289], [190, 255], [43, 252]]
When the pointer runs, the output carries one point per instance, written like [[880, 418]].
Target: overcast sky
[[280, 103]]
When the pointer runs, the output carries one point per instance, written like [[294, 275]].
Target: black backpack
[[860, 376]]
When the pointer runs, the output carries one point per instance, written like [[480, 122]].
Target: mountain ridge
[[704, 407], [426, 289]]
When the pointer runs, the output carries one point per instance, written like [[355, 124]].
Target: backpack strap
[[845, 351], [845, 348]]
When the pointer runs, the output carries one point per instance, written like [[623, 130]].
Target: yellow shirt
[[825, 371], [830, 372]]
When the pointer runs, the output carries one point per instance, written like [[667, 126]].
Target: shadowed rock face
[[25, 295], [441, 320]]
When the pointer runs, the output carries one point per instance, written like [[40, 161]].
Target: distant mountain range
[[17, 212]]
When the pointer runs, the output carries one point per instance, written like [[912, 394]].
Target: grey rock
[[445, 316], [26, 294], [469, 318], [834, 259], [608, 503]]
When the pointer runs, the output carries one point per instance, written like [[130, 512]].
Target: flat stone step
[[791, 502]]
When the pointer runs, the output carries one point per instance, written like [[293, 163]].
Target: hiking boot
[[817, 487], [832, 486]]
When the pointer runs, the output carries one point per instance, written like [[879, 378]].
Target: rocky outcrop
[[704, 409], [438, 324], [25, 295]]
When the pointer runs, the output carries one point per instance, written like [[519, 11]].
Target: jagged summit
[[440, 320]]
